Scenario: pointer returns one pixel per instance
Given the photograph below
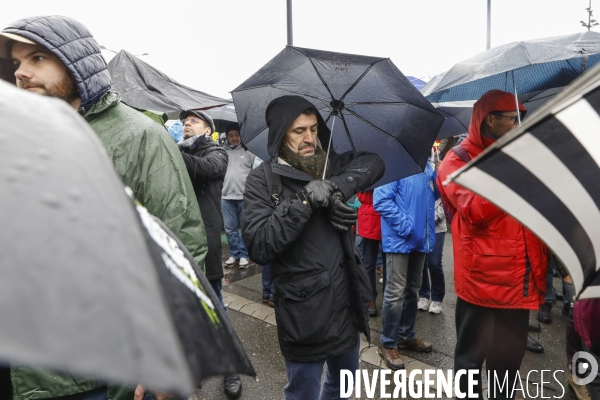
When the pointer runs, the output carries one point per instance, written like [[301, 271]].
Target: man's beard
[[65, 89]]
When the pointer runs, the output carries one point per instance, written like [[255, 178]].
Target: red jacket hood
[[494, 100]]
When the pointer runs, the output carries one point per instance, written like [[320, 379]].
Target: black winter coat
[[206, 164], [322, 291]]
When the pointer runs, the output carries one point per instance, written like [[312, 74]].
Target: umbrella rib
[[347, 132], [299, 93], [376, 127], [320, 77], [358, 80], [388, 102]]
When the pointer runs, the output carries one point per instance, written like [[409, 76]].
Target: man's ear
[[488, 120]]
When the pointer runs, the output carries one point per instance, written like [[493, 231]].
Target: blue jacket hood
[[407, 209], [75, 46]]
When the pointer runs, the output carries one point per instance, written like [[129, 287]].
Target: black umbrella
[[143, 86], [222, 116], [545, 174], [366, 101], [89, 285]]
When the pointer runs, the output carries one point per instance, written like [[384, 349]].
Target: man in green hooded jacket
[[58, 57]]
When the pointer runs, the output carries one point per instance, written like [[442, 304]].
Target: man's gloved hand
[[317, 193], [341, 215]]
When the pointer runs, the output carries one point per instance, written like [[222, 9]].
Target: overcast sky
[[214, 45]]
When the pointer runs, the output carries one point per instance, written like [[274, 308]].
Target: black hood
[[75, 47], [280, 114]]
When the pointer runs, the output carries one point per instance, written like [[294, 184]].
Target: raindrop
[[75, 194], [50, 200]]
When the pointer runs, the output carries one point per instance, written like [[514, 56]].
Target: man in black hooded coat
[[321, 290]]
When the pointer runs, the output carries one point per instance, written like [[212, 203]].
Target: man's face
[[233, 137], [301, 136], [40, 71], [194, 126], [500, 123]]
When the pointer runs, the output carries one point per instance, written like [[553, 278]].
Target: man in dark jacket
[[206, 164], [302, 229], [57, 56]]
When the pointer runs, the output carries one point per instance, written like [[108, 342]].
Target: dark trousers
[[370, 250], [494, 335], [433, 268], [267, 282]]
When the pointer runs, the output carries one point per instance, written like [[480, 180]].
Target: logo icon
[[581, 368]]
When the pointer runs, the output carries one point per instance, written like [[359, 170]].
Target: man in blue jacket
[[408, 233]]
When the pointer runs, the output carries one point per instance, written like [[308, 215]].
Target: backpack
[[274, 184], [464, 157]]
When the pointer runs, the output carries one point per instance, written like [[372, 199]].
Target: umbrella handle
[[329, 147]]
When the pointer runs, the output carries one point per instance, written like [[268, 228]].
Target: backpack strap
[[274, 185], [461, 153]]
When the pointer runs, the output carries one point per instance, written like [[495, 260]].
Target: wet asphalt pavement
[[260, 340]]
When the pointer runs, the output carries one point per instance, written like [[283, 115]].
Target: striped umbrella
[[546, 174]]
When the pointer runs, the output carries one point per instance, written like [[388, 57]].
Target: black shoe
[[534, 328], [232, 385], [565, 309], [533, 345], [372, 310], [545, 315]]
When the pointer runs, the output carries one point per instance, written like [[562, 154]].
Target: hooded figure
[[321, 290], [499, 265], [141, 150]]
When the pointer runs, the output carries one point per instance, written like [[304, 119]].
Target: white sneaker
[[435, 307], [243, 263], [423, 304], [231, 262]]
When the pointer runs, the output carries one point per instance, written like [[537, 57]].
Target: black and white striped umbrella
[[546, 174]]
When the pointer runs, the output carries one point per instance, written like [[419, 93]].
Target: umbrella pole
[[328, 147], [516, 100]]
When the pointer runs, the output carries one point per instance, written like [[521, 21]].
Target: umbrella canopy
[[89, 285], [457, 114], [546, 173], [143, 86], [376, 108], [527, 66], [222, 116]]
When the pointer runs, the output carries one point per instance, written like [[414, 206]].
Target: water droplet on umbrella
[[74, 194], [51, 201]]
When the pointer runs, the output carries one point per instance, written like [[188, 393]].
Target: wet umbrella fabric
[[528, 66], [545, 174], [85, 287], [143, 86], [377, 108], [457, 114], [222, 116]]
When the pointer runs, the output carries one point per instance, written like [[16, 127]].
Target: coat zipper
[[527, 267]]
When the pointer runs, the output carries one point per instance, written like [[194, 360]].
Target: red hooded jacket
[[369, 220], [498, 263]]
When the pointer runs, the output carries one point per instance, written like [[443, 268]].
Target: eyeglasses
[[192, 121], [515, 118]]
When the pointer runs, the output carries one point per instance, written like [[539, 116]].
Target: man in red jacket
[[499, 266]]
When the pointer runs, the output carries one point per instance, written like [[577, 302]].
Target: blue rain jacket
[[407, 209]]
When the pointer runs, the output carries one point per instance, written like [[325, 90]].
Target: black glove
[[317, 194], [341, 215]]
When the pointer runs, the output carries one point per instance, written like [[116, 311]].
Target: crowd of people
[[296, 216]]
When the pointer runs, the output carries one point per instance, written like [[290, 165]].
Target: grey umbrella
[[89, 285]]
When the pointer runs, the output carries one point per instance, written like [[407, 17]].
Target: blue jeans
[[304, 379], [232, 219], [267, 282], [404, 274], [217, 285], [433, 268]]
